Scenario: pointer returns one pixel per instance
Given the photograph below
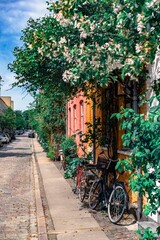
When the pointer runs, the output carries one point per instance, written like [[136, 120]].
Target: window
[[74, 118], [82, 116], [69, 122]]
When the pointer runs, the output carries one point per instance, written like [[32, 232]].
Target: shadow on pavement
[[14, 154]]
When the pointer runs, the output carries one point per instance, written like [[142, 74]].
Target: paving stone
[[17, 205]]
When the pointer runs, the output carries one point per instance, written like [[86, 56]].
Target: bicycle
[[83, 178], [108, 191]]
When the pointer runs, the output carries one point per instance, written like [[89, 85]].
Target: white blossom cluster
[[68, 76], [92, 56], [140, 24], [117, 8], [152, 3], [64, 22]]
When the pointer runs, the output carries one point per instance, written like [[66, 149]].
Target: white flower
[[83, 35], [105, 46], [66, 76], [77, 24], [140, 27], [129, 61], [61, 19], [117, 8], [152, 29], [140, 24], [48, 55], [152, 3], [55, 54], [58, 16], [67, 54], [62, 40], [30, 46], [138, 48], [117, 46], [92, 26], [40, 51], [75, 16], [81, 45], [98, 48]]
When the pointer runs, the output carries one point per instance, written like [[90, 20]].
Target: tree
[[7, 120], [20, 122], [47, 117], [86, 42]]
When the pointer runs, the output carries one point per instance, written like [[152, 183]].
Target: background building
[[3, 106], [8, 101]]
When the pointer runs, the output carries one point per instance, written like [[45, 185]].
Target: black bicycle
[[107, 191]]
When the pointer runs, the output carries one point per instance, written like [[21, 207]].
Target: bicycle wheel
[[95, 194], [82, 187], [117, 204], [75, 183]]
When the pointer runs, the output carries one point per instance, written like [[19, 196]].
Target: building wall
[[74, 107], [78, 113], [3, 106], [8, 101], [12, 104]]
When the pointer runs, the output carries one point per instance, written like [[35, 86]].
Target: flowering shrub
[[85, 41]]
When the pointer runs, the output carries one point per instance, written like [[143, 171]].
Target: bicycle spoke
[[82, 189], [94, 194], [117, 204]]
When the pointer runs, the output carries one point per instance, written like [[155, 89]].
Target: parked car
[[4, 138], [1, 143], [9, 137], [19, 132], [31, 134], [12, 135]]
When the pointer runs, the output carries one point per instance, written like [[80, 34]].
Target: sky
[[14, 15]]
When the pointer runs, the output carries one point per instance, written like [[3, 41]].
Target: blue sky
[[13, 18]]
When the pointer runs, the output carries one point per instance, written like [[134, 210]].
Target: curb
[[41, 223]]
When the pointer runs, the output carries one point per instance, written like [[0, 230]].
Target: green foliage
[[83, 43], [146, 234], [51, 153], [142, 136], [7, 120], [26, 114], [69, 149], [47, 117], [94, 133], [71, 167], [20, 122]]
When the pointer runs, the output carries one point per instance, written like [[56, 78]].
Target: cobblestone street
[[17, 205], [28, 206]]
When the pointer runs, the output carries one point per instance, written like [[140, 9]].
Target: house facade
[[112, 97], [78, 113]]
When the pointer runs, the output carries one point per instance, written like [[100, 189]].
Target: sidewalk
[[71, 222]]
